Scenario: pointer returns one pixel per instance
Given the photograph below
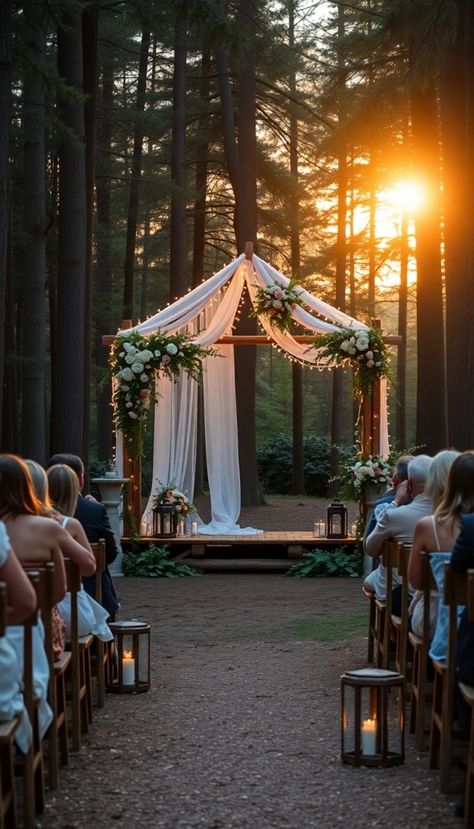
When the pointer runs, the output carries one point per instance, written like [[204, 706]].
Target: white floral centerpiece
[[361, 348], [134, 360], [277, 302], [367, 472]]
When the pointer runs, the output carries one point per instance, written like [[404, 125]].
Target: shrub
[[275, 463], [155, 562], [336, 562]]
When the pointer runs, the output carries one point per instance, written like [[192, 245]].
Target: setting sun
[[406, 195]]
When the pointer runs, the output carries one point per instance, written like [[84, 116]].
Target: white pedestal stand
[[110, 489]]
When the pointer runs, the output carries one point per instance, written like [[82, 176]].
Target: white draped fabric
[[208, 313]]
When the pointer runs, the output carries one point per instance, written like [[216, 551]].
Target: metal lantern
[[132, 646], [337, 520], [165, 520], [372, 717]]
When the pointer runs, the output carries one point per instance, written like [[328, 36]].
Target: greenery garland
[[363, 349], [277, 302], [134, 362]]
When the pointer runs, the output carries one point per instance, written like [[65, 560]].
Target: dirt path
[[241, 726]]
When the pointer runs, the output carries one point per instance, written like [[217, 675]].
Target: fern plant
[[155, 562], [319, 563]]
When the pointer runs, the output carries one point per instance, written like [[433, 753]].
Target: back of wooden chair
[[33, 767], [455, 594], [8, 814], [389, 559], [102, 652], [73, 578], [400, 623], [420, 688]]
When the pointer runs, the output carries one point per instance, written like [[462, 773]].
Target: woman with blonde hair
[[64, 491], [436, 533]]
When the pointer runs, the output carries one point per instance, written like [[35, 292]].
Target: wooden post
[[249, 250], [132, 469]]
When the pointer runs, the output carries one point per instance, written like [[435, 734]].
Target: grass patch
[[332, 628]]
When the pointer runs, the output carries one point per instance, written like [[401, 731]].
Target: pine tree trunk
[[132, 213], [403, 333], [103, 291], [431, 378], [5, 90], [33, 429], [178, 230], [67, 417], [457, 102]]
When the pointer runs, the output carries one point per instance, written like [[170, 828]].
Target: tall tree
[[6, 9], [67, 416], [178, 230], [33, 430]]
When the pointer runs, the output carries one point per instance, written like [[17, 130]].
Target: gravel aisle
[[241, 727]]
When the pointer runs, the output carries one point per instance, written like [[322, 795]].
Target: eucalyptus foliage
[[155, 562], [319, 563]]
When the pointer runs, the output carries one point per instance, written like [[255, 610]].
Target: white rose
[[145, 355], [172, 348], [370, 355], [127, 346], [126, 374], [132, 415], [124, 388], [351, 350], [130, 358], [362, 345], [144, 377], [137, 367], [129, 404], [157, 353], [344, 345], [122, 354]]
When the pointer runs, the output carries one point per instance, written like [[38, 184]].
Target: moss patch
[[332, 628]]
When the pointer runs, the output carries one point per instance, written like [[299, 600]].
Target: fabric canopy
[[208, 313]]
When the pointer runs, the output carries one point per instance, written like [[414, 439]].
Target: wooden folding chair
[[101, 660], [372, 632], [467, 692], [455, 594], [399, 624], [383, 608], [32, 765], [80, 670], [421, 689], [8, 814]]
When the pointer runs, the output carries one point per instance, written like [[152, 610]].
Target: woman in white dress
[[21, 602], [35, 539], [63, 485]]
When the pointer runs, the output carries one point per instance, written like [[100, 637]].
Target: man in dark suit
[[462, 559], [93, 517]]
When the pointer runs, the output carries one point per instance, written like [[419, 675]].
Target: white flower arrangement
[[361, 348], [277, 303], [369, 471], [134, 361]]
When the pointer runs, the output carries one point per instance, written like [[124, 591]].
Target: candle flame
[[127, 654]]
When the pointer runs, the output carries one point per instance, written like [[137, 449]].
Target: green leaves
[[319, 563], [155, 562]]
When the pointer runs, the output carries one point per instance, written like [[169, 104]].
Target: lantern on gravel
[[372, 717], [132, 646]]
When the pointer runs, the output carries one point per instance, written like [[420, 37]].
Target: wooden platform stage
[[271, 551]]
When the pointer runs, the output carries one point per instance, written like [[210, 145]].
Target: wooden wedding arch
[[370, 407]]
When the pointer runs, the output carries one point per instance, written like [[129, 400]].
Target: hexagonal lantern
[[132, 645]]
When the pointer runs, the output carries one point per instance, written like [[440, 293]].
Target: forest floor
[[240, 729]]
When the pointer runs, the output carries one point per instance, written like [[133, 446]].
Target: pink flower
[[277, 304]]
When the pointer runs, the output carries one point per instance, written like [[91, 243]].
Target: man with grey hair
[[398, 523]]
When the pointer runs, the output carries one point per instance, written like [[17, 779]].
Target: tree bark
[[67, 417], [178, 230], [33, 429], [132, 213], [6, 9]]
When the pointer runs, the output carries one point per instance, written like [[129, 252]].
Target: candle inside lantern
[[368, 736], [166, 524], [128, 668], [194, 528], [143, 528]]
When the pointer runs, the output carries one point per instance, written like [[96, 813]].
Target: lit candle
[[194, 528], [128, 668], [166, 524], [143, 528], [354, 530], [368, 734], [321, 529]]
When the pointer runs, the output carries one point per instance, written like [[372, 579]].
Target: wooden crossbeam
[[262, 339]]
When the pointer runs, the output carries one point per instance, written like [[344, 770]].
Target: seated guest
[[462, 559], [64, 492], [21, 603], [35, 539], [398, 524], [399, 477], [435, 533], [93, 517]]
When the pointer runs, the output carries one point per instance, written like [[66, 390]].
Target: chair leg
[[8, 812], [469, 786]]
